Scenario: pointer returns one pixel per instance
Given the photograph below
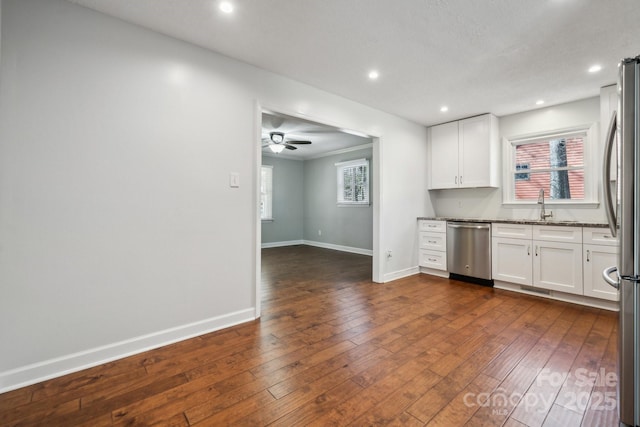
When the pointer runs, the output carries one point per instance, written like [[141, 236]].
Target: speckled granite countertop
[[519, 221]]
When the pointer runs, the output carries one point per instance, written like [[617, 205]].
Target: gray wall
[[304, 201], [288, 202], [345, 226]]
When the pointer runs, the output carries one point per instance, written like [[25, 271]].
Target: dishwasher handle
[[474, 226]]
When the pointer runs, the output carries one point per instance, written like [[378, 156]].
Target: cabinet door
[[475, 152], [597, 258], [558, 266], [511, 260], [444, 156]]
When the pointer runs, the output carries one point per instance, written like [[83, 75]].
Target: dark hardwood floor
[[333, 348]]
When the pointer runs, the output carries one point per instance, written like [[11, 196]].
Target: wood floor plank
[[333, 348]]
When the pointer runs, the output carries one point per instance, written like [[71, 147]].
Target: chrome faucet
[[543, 215]]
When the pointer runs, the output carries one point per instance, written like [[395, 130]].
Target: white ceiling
[[474, 56], [324, 139]]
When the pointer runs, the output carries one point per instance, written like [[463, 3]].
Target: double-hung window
[[266, 193], [556, 162], [353, 182]]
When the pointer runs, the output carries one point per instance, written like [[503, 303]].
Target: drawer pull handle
[[536, 250], [528, 250], [432, 259], [588, 254], [432, 241]]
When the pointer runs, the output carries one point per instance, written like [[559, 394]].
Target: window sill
[[353, 205], [555, 204]]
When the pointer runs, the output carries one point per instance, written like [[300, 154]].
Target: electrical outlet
[[319, 232]]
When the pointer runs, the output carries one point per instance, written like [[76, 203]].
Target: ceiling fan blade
[[290, 147], [299, 142]]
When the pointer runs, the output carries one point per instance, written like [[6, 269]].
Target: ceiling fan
[[276, 142]]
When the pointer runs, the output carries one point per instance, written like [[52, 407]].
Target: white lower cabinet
[[596, 259], [557, 266], [600, 250], [511, 260], [556, 258], [432, 245]]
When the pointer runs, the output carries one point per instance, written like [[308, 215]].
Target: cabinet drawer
[[433, 259], [433, 241], [512, 231], [598, 236], [552, 233], [433, 225]]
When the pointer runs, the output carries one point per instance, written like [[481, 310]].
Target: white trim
[[556, 203], [375, 193], [559, 296], [434, 272], [395, 275], [590, 165], [356, 162], [281, 244], [341, 248], [256, 268], [56, 367], [341, 167], [342, 151], [548, 134]]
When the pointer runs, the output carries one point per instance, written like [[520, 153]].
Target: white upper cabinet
[[464, 154], [444, 156]]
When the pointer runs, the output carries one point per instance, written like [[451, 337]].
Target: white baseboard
[[395, 275], [52, 368], [280, 244], [434, 272], [350, 249], [560, 296]]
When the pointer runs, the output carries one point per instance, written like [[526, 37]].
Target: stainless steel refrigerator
[[623, 212]]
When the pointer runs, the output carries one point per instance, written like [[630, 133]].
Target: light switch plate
[[234, 180]]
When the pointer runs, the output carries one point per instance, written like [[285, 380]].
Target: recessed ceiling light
[[595, 68], [373, 75], [540, 102], [444, 109], [226, 7]]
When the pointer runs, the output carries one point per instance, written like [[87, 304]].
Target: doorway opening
[[298, 203]]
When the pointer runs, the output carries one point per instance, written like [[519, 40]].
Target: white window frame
[[340, 167], [591, 169], [266, 192]]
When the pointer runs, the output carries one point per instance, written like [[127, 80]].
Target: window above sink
[[560, 162]]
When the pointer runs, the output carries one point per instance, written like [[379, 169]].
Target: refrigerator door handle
[[607, 278], [606, 171]]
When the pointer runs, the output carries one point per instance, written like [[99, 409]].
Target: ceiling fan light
[[277, 137], [276, 148]]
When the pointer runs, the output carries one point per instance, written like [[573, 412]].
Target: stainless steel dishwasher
[[469, 250]]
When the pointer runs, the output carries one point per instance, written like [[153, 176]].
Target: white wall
[[487, 203], [118, 229]]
